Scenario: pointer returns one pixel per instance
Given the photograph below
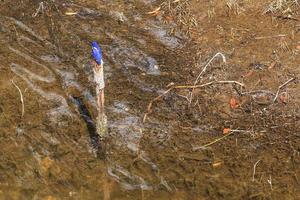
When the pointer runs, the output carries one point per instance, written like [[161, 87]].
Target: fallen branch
[[149, 107], [281, 86], [21, 96]]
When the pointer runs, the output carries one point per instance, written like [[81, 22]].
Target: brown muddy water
[[52, 151]]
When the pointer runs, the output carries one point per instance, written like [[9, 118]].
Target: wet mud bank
[[217, 127]]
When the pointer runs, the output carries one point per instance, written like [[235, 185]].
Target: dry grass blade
[[281, 86], [39, 9], [149, 107], [230, 132], [155, 11], [213, 142], [204, 69], [71, 13], [21, 97], [209, 62], [254, 170], [208, 84], [270, 37]]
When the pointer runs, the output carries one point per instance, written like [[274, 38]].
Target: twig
[[40, 8], [217, 140], [281, 86], [270, 182], [211, 143], [269, 37], [149, 110], [149, 107], [21, 96], [204, 69], [254, 169], [258, 91], [207, 84]]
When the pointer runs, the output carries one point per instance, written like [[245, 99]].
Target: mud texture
[[235, 136]]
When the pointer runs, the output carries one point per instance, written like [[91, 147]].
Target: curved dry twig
[[149, 107], [281, 86], [204, 69], [21, 97]]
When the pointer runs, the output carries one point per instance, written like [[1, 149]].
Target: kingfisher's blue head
[[97, 53]]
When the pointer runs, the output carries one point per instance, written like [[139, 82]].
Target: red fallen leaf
[[272, 65], [233, 103], [248, 74], [169, 18], [226, 131], [283, 98]]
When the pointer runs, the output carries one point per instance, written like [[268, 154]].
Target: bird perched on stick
[[98, 75], [101, 123]]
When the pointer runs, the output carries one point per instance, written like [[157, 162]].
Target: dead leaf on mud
[[283, 98], [272, 65], [233, 103], [169, 18], [248, 74], [226, 131]]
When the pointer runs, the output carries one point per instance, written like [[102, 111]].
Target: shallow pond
[[50, 150]]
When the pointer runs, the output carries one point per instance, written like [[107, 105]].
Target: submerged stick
[[281, 86], [213, 142], [149, 110], [21, 97], [217, 140], [149, 107]]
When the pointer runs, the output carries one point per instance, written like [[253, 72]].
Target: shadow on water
[[97, 145]]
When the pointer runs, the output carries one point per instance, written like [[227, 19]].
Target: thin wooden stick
[[281, 86], [254, 170], [269, 37], [40, 8], [204, 69], [21, 96], [217, 140], [207, 84], [213, 142], [149, 110], [149, 107]]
